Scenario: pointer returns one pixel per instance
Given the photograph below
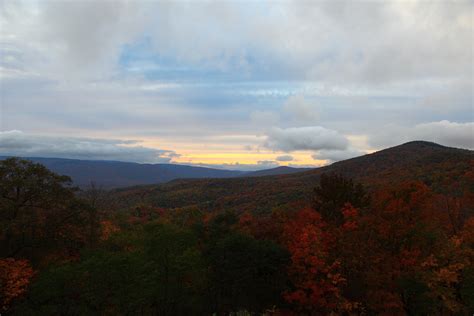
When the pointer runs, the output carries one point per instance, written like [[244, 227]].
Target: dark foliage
[[39, 211], [333, 192]]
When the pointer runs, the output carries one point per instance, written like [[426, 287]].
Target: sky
[[241, 85]]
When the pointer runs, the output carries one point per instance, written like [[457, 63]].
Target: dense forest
[[392, 234]]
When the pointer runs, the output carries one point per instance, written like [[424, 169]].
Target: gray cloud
[[17, 143], [300, 110], [69, 40], [305, 138], [339, 41], [264, 119], [337, 155], [443, 132], [284, 158], [455, 97], [61, 69], [267, 163]]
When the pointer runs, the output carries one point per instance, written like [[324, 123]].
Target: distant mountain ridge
[[117, 174], [412, 159], [435, 165], [275, 171]]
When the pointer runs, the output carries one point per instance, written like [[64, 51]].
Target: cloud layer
[[300, 110], [340, 40], [17, 143], [305, 138], [285, 158], [207, 77], [443, 132], [336, 155]]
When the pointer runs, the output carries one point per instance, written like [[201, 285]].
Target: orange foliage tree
[[315, 278], [15, 276]]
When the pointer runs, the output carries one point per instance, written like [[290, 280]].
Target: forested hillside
[[436, 166], [389, 233]]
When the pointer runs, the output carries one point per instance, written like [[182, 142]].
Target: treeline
[[404, 250]]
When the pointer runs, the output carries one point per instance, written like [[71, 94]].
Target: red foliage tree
[[315, 278]]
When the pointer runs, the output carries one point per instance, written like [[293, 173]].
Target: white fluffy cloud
[[305, 138], [443, 132], [17, 143]]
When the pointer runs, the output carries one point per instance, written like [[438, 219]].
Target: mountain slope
[[276, 171], [431, 163], [116, 174]]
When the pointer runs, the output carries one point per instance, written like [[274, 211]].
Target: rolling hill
[[116, 174], [275, 171], [435, 165]]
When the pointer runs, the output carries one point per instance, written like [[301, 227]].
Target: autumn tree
[[15, 276], [315, 277], [333, 192], [38, 211]]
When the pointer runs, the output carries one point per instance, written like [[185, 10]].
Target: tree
[[15, 276], [177, 272], [38, 211], [315, 277], [245, 273], [155, 270], [333, 192]]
